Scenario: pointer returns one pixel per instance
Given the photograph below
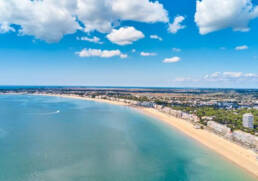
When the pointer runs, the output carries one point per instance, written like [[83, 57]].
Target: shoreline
[[242, 157]]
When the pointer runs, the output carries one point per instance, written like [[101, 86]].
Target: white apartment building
[[248, 120]]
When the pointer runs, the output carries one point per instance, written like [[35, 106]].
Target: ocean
[[45, 138]]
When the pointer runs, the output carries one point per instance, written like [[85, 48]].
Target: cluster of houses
[[223, 104], [164, 109]]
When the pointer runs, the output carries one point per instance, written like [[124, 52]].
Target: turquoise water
[[59, 139]]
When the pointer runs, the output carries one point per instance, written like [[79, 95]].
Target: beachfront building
[[146, 104], [246, 139], [248, 120], [158, 107], [219, 128]]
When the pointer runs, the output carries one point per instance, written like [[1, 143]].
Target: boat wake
[[49, 113]]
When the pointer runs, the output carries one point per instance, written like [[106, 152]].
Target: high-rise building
[[248, 120]]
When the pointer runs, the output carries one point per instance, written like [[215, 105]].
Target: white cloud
[[232, 74], [133, 50], [214, 75], [227, 76], [221, 78], [5, 27], [50, 20], [252, 75], [176, 25], [171, 60], [143, 10], [103, 15], [100, 53], [213, 15], [123, 56], [125, 35], [156, 37], [243, 47], [185, 79], [176, 50], [146, 54], [93, 39]]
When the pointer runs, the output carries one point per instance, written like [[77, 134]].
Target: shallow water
[[59, 139]]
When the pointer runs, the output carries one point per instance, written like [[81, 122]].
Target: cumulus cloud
[[93, 39], [176, 25], [243, 47], [50, 20], [125, 35], [171, 60], [47, 20], [100, 53], [156, 37], [213, 15], [143, 11], [102, 15], [147, 54]]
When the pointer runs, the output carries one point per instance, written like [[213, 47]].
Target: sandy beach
[[237, 154], [242, 157]]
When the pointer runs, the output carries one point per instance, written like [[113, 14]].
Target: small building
[[248, 120]]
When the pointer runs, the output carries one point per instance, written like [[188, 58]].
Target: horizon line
[[101, 86]]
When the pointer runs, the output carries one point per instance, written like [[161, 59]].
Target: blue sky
[[210, 44]]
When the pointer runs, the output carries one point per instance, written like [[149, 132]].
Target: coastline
[[233, 152], [237, 154]]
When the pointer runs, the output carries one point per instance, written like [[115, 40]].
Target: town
[[230, 113]]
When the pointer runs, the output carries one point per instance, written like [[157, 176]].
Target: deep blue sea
[[60, 139]]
